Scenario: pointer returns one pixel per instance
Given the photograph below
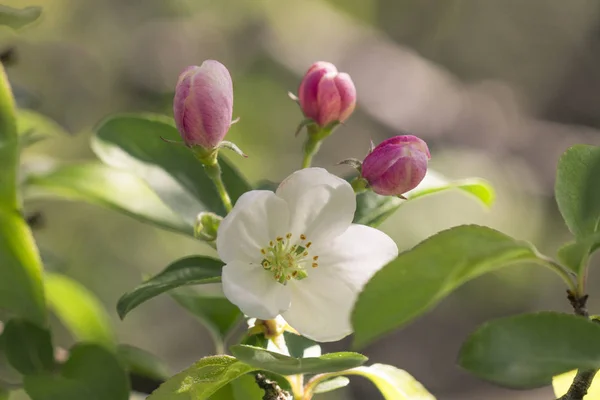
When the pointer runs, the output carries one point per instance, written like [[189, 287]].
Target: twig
[[271, 388], [583, 379]]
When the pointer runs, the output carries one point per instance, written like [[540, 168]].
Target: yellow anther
[[315, 258], [315, 265], [279, 238], [305, 253], [303, 237], [263, 251], [289, 236], [308, 244]]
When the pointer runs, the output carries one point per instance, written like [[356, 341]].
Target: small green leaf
[[372, 209], [16, 18], [419, 278], [142, 362], [526, 351], [133, 142], [332, 384], [202, 379], [91, 373], [285, 365], [33, 127], [572, 181], [218, 314], [393, 383], [79, 310], [28, 347], [194, 270], [108, 187]]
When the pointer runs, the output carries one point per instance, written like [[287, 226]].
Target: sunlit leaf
[[393, 383], [21, 292], [419, 278], [332, 384], [79, 310], [193, 270], [133, 142], [108, 187], [526, 351], [372, 209], [285, 365], [202, 379]]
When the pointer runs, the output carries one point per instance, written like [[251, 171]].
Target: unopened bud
[[325, 95], [396, 165], [203, 104], [207, 225]]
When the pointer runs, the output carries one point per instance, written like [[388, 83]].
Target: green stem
[[213, 171], [311, 147], [566, 275]]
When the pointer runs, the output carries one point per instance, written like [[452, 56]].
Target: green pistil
[[287, 261]]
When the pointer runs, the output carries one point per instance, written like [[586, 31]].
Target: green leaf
[[285, 365], [133, 142], [202, 379], [393, 383], [79, 310], [572, 181], [526, 351], [419, 278], [142, 362], [28, 347], [33, 127], [332, 384], [21, 292], [243, 388], [218, 314], [16, 18], [193, 270], [91, 373], [300, 347], [107, 187], [4, 394], [372, 209]]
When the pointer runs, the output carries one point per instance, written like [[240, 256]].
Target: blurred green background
[[497, 88]]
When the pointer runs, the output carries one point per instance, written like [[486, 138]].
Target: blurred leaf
[[285, 365], [300, 347], [108, 187], [218, 314], [562, 382], [332, 384], [201, 380], [419, 278], [91, 373], [372, 209], [28, 347], [133, 142], [526, 351], [79, 310], [193, 270], [21, 292], [142, 362], [571, 187], [17, 18], [33, 127], [4, 394], [393, 383]]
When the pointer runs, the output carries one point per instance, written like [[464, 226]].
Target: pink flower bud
[[396, 165], [203, 104], [326, 95]]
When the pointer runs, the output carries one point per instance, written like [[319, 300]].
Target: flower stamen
[[287, 260]]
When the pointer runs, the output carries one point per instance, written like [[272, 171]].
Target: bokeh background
[[499, 89]]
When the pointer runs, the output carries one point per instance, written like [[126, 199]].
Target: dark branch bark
[[271, 388]]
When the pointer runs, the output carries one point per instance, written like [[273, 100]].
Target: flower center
[[287, 261]]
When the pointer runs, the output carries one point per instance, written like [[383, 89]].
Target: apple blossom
[[296, 253]]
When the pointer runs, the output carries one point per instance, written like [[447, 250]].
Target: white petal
[[258, 217], [320, 307], [356, 254], [321, 204], [254, 290]]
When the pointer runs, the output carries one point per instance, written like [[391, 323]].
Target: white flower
[[296, 253]]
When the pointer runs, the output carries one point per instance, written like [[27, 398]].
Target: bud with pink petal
[[203, 104], [326, 95], [396, 165]]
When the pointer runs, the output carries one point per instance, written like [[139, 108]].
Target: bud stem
[[213, 170], [359, 185], [311, 147]]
